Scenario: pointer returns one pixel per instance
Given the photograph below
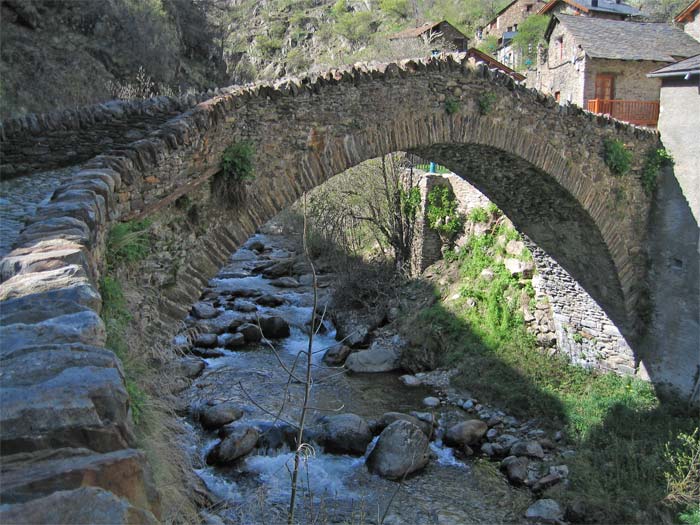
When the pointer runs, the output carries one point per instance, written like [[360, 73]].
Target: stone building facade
[[508, 19], [442, 33]]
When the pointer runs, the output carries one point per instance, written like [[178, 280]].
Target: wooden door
[[604, 86]]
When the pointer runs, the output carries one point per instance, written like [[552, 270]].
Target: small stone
[[487, 274], [527, 448], [515, 469], [285, 282], [251, 332], [239, 441], [205, 341], [336, 355], [255, 246], [207, 353], [204, 311], [231, 340], [468, 404], [546, 482], [431, 402], [545, 510], [494, 420], [561, 470], [190, 367], [506, 440], [492, 434], [274, 327], [410, 380], [465, 433], [217, 415], [245, 306], [269, 300], [558, 436]]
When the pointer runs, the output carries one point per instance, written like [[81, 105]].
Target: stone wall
[[66, 409], [512, 16], [53, 140], [693, 27]]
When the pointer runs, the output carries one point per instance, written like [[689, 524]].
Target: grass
[[617, 157], [621, 432]]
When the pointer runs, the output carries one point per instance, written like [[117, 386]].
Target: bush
[[451, 106], [442, 213], [128, 242], [397, 8], [478, 215], [486, 101], [656, 159], [617, 157], [356, 27], [237, 161]]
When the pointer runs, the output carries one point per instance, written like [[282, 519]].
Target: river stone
[[344, 434], [515, 247], [279, 269], [431, 402], [255, 246], [465, 433], [285, 282], [269, 300], [207, 353], [545, 511], [217, 415], [190, 367], [244, 306], [410, 380], [205, 341], [519, 268], [204, 311], [231, 340], [336, 355], [515, 469], [378, 358], [353, 327], [546, 482], [239, 441], [388, 418], [402, 448], [251, 332], [527, 448], [274, 327]]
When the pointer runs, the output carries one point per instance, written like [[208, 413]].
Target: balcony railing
[[639, 112]]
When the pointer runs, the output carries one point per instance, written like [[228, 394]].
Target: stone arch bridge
[[540, 162]]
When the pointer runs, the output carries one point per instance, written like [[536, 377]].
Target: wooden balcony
[[639, 112]]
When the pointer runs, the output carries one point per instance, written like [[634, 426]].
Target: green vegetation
[[656, 158], [451, 106], [578, 338], [128, 242], [489, 45], [616, 424], [442, 213], [486, 101], [397, 8], [530, 35], [237, 162], [478, 215], [617, 157]]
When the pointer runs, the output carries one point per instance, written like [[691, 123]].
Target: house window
[[557, 96], [560, 47], [515, 27], [528, 8]]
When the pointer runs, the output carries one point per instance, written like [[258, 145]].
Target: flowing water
[[335, 488]]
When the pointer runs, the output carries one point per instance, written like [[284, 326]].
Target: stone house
[[475, 56], [679, 121], [440, 33], [505, 24], [689, 18], [602, 64], [610, 9]]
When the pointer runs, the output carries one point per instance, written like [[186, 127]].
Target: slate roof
[[413, 32], [679, 69], [622, 40], [604, 6]]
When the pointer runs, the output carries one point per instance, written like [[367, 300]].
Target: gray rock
[[546, 482], [545, 510], [269, 300], [336, 355], [231, 340], [487, 274], [207, 353], [190, 367], [492, 434], [402, 448], [410, 380], [274, 327], [285, 282], [251, 332], [239, 441], [344, 434], [214, 416], [506, 440], [389, 417], [519, 268], [516, 469], [245, 306], [465, 433], [561, 470], [255, 246], [468, 404], [527, 448], [279, 269], [353, 327], [431, 402], [204, 311], [206, 341], [380, 357], [493, 450], [515, 247]]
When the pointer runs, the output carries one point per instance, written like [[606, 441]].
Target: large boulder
[[527, 448], [214, 416], [251, 332], [353, 327], [239, 440], [380, 357], [402, 448], [270, 300], [344, 434], [545, 511], [389, 417], [231, 340], [279, 269], [204, 311], [465, 433], [205, 341], [285, 282], [274, 327], [515, 469]]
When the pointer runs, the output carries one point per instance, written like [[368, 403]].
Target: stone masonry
[[66, 413]]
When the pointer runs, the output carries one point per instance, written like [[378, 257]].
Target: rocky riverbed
[[383, 445]]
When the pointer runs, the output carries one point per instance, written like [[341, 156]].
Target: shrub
[[683, 478], [442, 211], [486, 101], [397, 8], [451, 106], [356, 27], [128, 242], [617, 157], [656, 158], [478, 215], [237, 161]]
